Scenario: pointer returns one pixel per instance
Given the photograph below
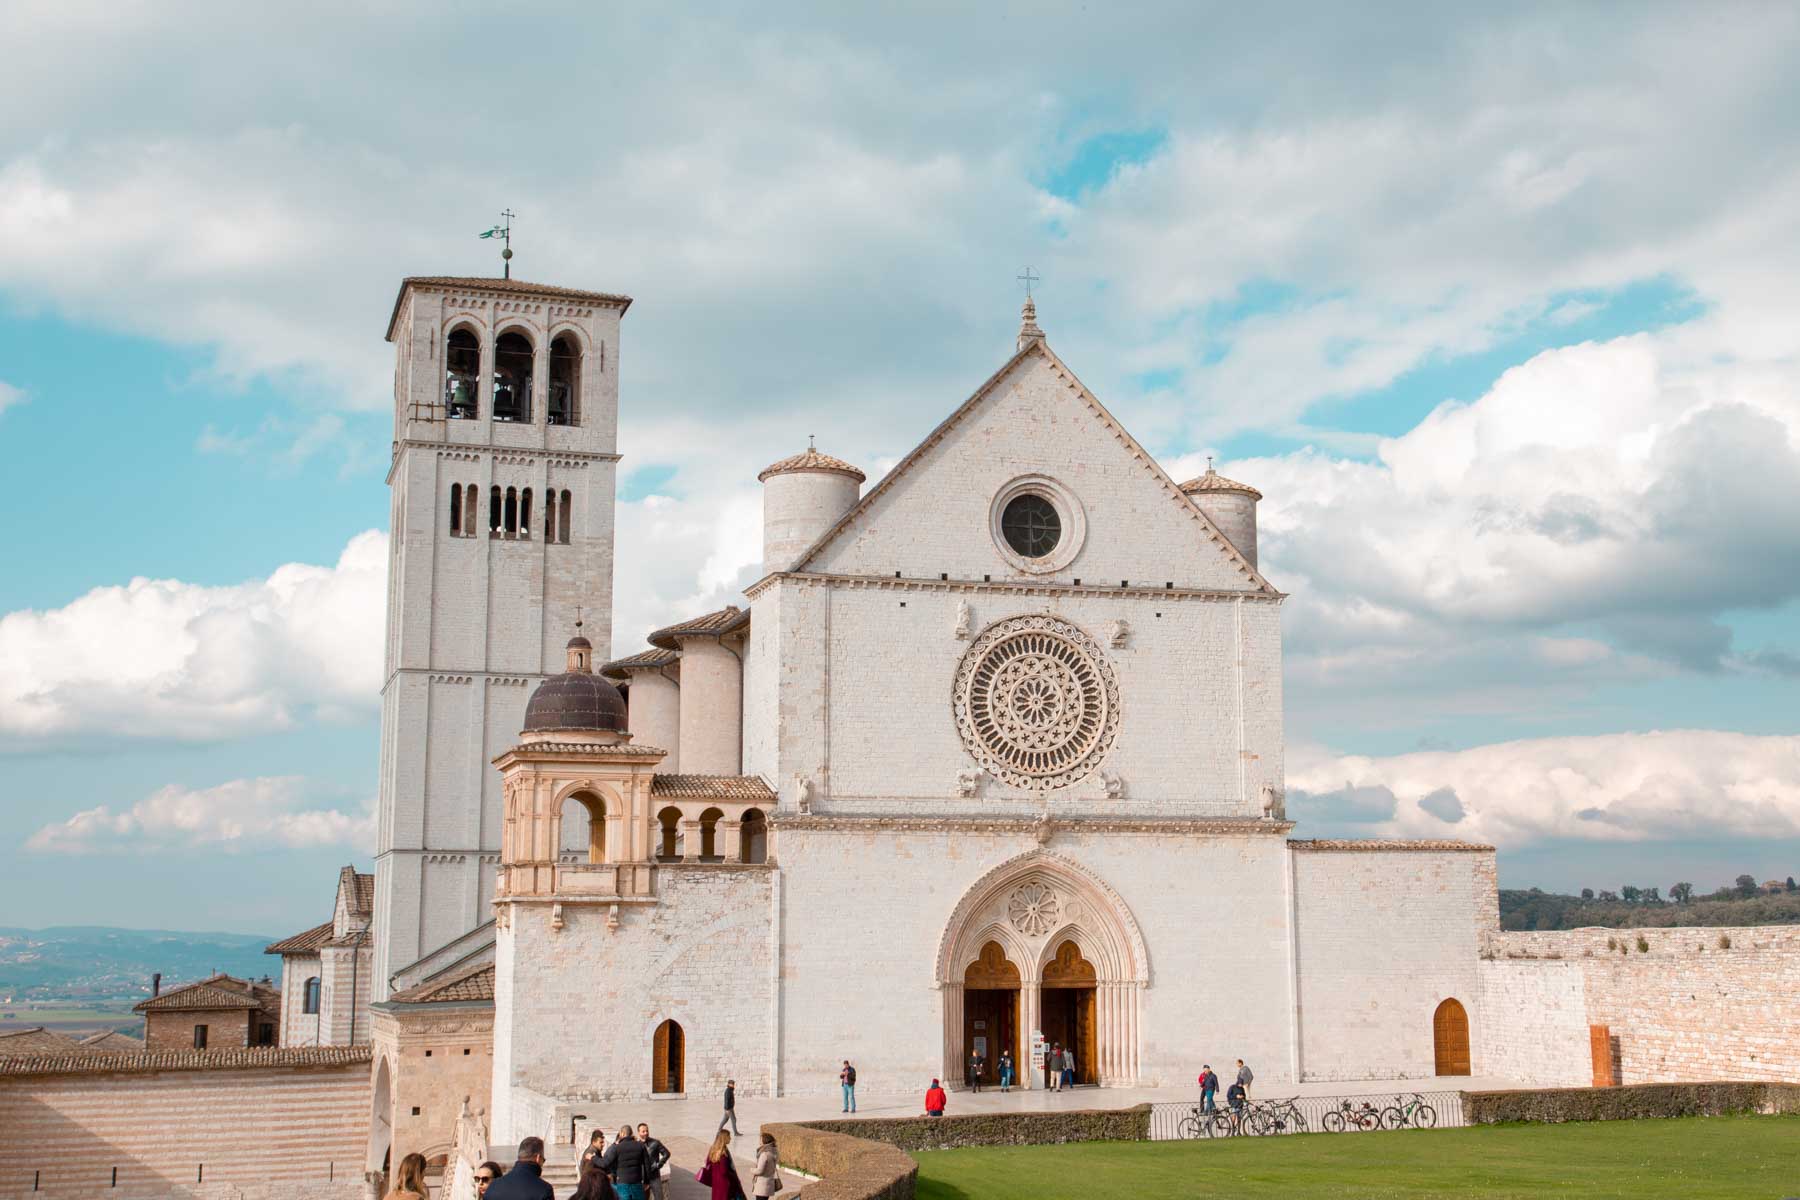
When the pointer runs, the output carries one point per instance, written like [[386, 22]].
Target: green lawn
[[1696, 1158]]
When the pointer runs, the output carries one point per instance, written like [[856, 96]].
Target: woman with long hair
[[409, 1182], [718, 1171], [767, 1175], [595, 1184], [485, 1174]]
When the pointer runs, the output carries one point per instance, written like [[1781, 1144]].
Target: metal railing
[[1167, 1117]]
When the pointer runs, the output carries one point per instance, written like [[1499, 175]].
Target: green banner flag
[[496, 231]]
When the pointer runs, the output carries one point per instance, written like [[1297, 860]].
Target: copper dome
[[576, 700]]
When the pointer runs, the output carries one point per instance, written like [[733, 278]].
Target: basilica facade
[[989, 758]]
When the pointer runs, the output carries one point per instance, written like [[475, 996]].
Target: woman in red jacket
[[935, 1100]]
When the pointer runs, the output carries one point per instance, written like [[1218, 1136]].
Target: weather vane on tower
[[504, 233]]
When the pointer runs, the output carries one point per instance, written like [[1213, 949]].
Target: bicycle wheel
[[1367, 1119], [1297, 1123], [1260, 1123], [1334, 1121], [1189, 1128], [1425, 1116], [1392, 1118]]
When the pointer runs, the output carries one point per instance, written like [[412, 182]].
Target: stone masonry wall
[[1533, 1026], [227, 1030], [252, 1127], [1688, 1007], [1384, 937]]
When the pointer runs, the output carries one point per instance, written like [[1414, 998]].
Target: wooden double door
[[991, 1023], [1068, 1016]]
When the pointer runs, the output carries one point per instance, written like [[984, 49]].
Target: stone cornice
[[1387, 845], [1013, 587], [469, 451], [1154, 826]]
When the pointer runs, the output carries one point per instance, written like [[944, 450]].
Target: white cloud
[[10, 396], [168, 659], [1664, 786], [278, 812]]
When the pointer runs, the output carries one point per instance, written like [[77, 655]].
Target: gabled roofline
[[1037, 346]]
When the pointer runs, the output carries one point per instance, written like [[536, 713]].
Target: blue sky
[[1501, 331]]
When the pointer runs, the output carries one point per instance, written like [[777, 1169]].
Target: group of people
[[978, 1066], [1236, 1096], [633, 1166]]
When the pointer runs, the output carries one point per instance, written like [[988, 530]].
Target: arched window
[[512, 378], [549, 515], [456, 506], [471, 520], [753, 837], [669, 846], [562, 519], [565, 381], [525, 513], [1450, 1038], [512, 511], [709, 826], [494, 506], [669, 1048], [462, 375], [311, 1003], [584, 827]]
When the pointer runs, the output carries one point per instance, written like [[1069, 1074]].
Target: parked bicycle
[[1275, 1116], [1345, 1116], [1404, 1113]]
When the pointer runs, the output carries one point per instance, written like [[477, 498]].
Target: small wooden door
[[1450, 1038], [666, 1071]]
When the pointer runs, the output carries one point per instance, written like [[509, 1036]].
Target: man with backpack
[[847, 1077]]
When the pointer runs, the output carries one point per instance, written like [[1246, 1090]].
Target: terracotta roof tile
[[472, 983], [481, 283], [35, 1039], [646, 660], [711, 787], [811, 460], [214, 994], [1212, 481], [91, 1062], [113, 1040], [713, 624], [302, 943]]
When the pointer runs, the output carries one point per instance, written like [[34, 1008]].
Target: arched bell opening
[[583, 821]]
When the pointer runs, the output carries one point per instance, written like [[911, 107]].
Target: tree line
[[1742, 902]]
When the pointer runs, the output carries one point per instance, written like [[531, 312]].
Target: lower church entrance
[[990, 1014], [1067, 1011]]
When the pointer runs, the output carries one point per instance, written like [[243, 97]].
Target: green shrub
[[848, 1168], [1552, 1105], [1000, 1129], [1643, 944]]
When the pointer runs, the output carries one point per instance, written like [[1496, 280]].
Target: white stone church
[[989, 757]]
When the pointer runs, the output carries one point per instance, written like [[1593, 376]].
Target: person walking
[[1068, 1077], [1006, 1071], [935, 1100], [526, 1179], [717, 1171], [847, 1078], [485, 1174], [626, 1161], [1209, 1087], [730, 1117], [1053, 1067], [409, 1181], [977, 1066], [1245, 1077], [654, 1183], [767, 1176]]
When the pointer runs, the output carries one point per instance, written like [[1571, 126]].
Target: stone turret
[[803, 496], [1230, 505]]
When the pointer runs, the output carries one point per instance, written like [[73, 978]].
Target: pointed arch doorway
[[1080, 957], [991, 987]]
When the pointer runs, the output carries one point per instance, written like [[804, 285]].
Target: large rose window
[[1036, 702]]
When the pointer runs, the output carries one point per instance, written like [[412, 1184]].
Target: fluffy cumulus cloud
[[281, 812], [1669, 786], [10, 395], [160, 658]]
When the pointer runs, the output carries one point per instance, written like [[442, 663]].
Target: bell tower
[[505, 455]]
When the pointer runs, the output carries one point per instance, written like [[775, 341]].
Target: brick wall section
[[225, 1030], [297, 1125], [1685, 1009], [1382, 938]]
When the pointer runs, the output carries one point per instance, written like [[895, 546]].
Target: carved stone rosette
[[1036, 702]]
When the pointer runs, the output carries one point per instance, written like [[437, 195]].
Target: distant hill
[[1534, 909], [91, 962]]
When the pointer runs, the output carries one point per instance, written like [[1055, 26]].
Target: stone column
[[733, 848], [1031, 1015], [690, 840], [953, 1027]]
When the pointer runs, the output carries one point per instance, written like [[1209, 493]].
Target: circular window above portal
[[1037, 524], [1036, 702]]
